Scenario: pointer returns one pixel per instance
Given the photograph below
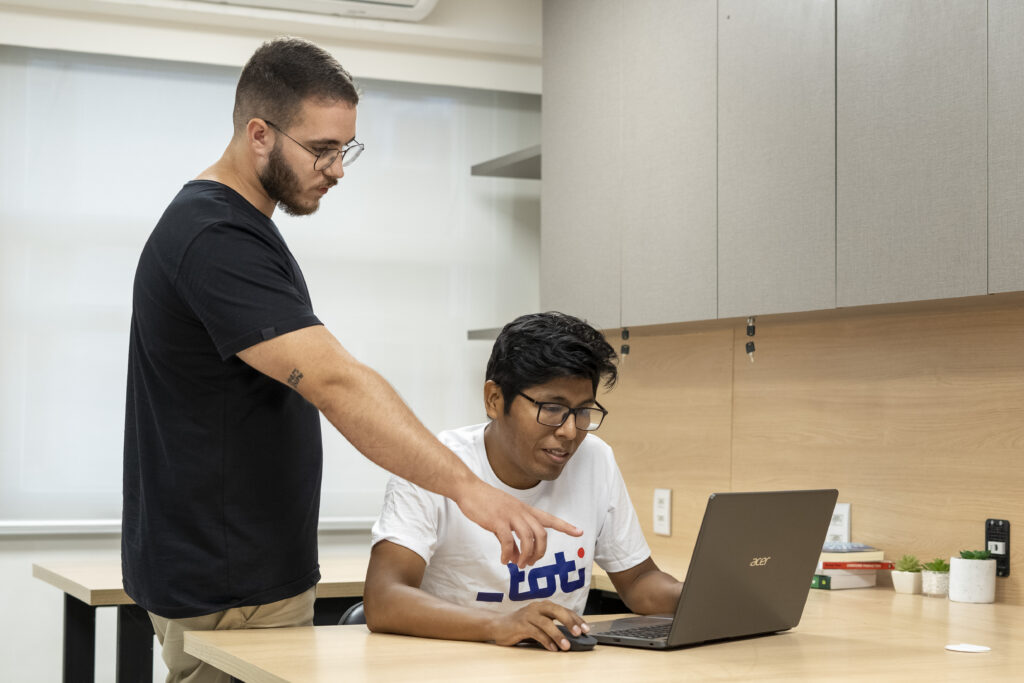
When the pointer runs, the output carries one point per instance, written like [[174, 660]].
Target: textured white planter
[[906, 582], [935, 584], [972, 580]]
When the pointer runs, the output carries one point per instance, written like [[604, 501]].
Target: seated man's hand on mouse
[[537, 621]]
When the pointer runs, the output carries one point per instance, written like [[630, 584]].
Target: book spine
[[821, 582], [885, 564]]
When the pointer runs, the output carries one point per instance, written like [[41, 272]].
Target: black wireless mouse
[[578, 643]]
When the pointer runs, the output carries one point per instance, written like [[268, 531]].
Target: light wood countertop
[[98, 582], [865, 634]]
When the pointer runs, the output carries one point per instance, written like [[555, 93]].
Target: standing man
[[228, 367]]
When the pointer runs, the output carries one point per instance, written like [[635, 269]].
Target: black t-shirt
[[222, 465]]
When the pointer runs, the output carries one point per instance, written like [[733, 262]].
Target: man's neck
[[498, 459], [242, 178]]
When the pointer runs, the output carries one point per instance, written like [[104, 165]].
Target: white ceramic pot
[[906, 582], [935, 584], [972, 580]]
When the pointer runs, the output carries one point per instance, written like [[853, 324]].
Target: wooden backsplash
[[915, 412]]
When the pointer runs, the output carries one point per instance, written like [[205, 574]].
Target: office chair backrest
[[353, 615]]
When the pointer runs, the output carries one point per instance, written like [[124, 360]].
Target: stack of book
[[849, 566]]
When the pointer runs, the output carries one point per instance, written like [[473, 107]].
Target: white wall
[[407, 253], [486, 44]]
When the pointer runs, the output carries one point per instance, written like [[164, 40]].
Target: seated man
[[433, 573]]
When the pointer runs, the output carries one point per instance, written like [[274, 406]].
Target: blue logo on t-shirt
[[542, 580]]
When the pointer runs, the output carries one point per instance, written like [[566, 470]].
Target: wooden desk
[[600, 581], [864, 634], [88, 585]]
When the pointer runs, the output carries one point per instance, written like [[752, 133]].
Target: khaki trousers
[[184, 668]]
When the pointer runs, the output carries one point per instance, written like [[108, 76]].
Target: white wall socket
[[663, 512], [839, 527]]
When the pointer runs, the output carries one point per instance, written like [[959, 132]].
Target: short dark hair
[[537, 348], [283, 73]]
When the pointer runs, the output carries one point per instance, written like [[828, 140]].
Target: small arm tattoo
[[295, 378]]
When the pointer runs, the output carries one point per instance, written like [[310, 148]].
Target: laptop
[[749, 574]]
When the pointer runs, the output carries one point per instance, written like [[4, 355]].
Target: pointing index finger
[[552, 522]]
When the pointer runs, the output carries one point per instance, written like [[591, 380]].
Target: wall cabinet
[[743, 157], [628, 205], [911, 150], [667, 193], [581, 208], [1006, 146], [776, 157]]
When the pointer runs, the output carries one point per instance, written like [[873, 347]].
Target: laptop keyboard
[[652, 632]]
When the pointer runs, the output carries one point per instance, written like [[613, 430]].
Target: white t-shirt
[[463, 560]]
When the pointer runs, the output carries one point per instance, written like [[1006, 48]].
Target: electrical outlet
[[663, 512], [839, 527]]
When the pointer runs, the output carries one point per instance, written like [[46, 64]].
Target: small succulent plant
[[975, 554], [937, 565], [908, 563]]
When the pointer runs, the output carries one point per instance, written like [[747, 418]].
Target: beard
[[283, 186]]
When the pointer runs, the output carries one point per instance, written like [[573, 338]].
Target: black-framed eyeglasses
[[587, 418], [349, 153]]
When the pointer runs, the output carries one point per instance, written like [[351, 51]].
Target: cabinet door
[[776, 156], [667, 186], [1006, 145], [911, 150], [581, 113]]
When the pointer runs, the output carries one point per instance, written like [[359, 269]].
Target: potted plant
[[935, 578], [906, 577], [972, 577]]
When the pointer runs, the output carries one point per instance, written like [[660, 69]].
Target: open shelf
[[522, 164]]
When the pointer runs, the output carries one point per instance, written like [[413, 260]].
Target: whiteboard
[[405, 256]]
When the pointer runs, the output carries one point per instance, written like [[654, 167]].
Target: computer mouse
[[578, 643]]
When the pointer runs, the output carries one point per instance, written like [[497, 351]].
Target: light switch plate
[[663, 512]]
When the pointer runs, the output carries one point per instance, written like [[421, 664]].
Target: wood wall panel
[[915, 412], [670, 414]]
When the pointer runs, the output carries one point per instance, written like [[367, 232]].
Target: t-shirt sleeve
[[242, 288], [620, 543], [410, 517]]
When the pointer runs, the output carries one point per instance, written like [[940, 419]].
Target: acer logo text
[[759, 561]]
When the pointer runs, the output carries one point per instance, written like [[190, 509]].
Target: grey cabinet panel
[[911, 150], [582, 113], [776, 156], [667, 187], [1006, 145]]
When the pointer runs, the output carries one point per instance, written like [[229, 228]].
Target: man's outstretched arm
[[370, 414]]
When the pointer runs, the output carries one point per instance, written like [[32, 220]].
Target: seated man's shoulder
[[467, 443], [596, 451], [463, 442], [462, 436]]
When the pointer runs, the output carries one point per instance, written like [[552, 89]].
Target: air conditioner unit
[[401, 10]]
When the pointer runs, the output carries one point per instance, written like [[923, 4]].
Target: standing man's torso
[[222, 464]]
